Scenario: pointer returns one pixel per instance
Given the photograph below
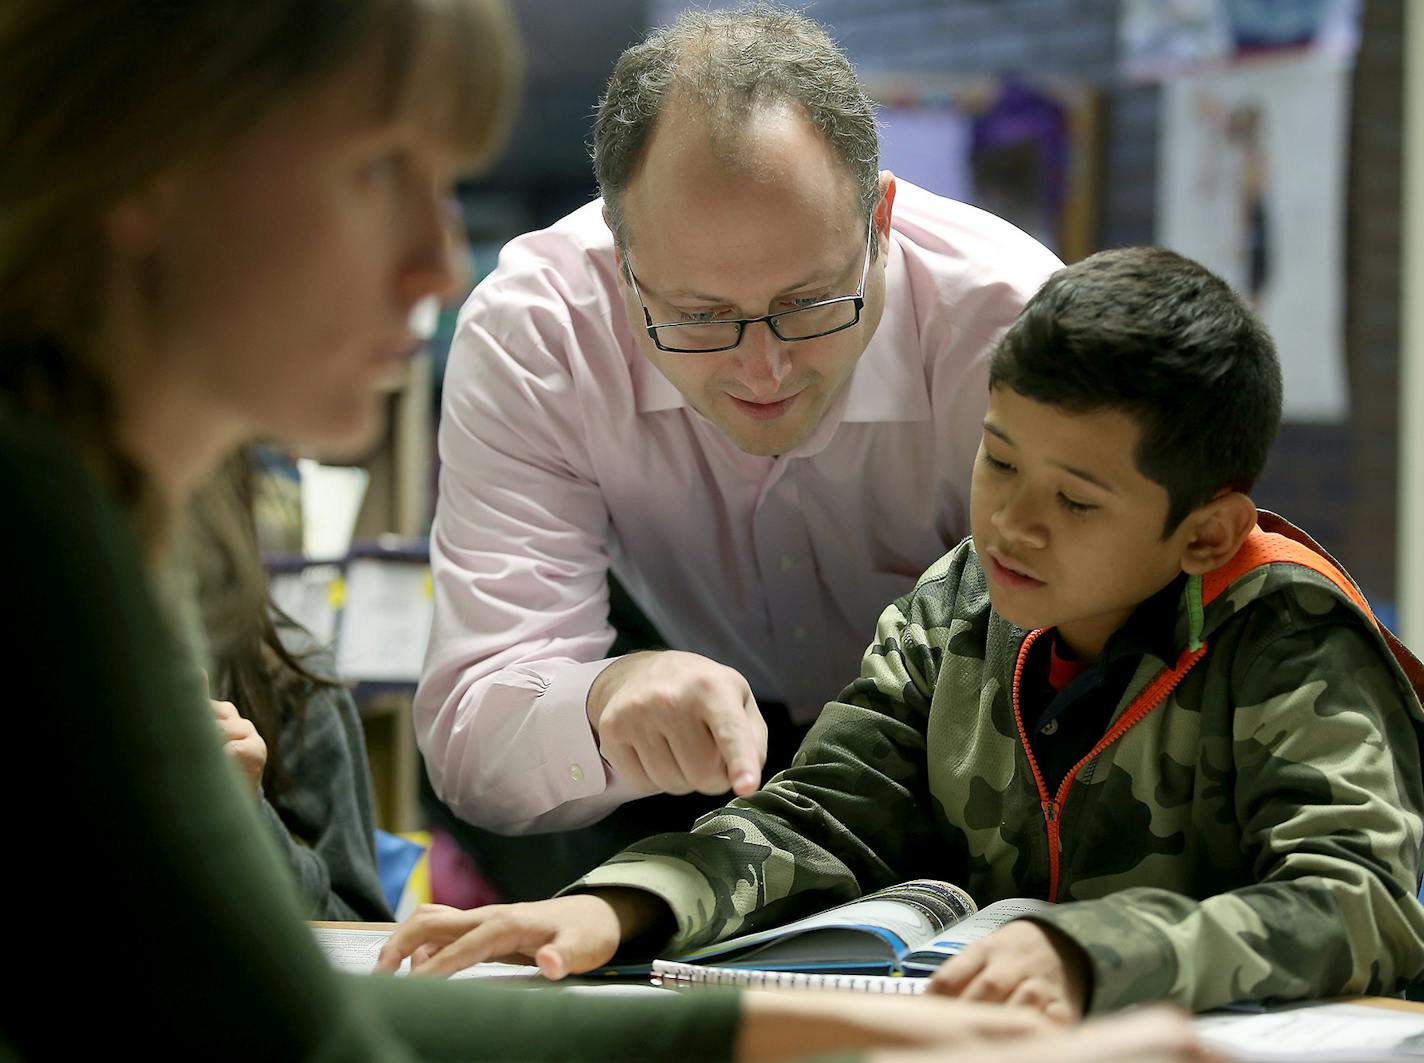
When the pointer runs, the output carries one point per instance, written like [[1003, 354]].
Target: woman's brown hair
[[97, 99], [249, 664]]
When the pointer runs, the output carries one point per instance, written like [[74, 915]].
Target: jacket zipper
[[1155, 693]]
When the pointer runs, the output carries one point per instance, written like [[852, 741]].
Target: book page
[[355, 951], [927, 957], [871, 932], [1342, 1032]]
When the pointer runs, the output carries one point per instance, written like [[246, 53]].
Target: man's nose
[[763, 363]]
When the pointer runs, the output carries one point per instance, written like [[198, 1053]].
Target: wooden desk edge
[[1384, 1002]]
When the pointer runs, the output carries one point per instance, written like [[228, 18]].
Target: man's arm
[[1329, 801], [524, 724], [850, 815], [520, 564]]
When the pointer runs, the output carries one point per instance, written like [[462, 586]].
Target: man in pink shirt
[[748, 383]]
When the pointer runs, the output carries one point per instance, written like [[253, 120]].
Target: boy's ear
[[1216, 531]]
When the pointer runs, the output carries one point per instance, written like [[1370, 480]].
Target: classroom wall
[[1338, 481]]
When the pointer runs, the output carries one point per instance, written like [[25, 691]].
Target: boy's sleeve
[[1329, 802], [841, 821]]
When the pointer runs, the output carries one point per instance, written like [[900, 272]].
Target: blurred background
[[1263, 137], [1260, 136]]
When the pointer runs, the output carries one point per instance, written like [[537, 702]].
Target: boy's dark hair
[[1162, 338]]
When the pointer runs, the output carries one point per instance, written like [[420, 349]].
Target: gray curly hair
[[727, 63]]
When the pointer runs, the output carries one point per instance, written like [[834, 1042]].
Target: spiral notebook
[[677, 975], [886, 942]]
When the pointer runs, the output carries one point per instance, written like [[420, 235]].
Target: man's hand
[[674, 722], [562, 936], [242, 742], [1022, 962]]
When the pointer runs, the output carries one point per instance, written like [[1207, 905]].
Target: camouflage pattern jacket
[[1249, 827]]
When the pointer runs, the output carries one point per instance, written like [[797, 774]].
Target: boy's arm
[[1328, 799], [841, 821]]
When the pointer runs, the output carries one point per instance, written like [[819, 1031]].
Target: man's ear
[[617, 247], [886, 206], [1215, 531]]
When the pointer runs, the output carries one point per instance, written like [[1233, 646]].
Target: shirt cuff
[[575, 769]]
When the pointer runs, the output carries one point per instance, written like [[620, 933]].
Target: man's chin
[[764, 441], [763, 438]]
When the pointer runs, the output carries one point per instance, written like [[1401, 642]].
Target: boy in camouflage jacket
[[1123, 694]]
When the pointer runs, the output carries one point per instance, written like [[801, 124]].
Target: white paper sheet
[[355, 951], [311, 597], [331, 501], [1347, 1033], [385, 623]]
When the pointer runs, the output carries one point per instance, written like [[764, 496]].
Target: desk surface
[[1374, 1002]]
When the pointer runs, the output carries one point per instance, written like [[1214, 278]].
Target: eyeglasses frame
[[858, 299]]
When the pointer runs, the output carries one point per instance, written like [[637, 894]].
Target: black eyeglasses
[[802, 323]]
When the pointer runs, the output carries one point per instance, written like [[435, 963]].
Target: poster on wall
[[1252, 184], [1023, 151], [1164, 38]]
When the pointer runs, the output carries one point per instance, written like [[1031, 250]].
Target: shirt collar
[[885, 385]]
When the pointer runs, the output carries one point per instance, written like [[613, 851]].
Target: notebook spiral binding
[[694, 974]]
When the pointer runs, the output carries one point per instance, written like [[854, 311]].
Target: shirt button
[[800, 632], [575, 773], [787, 562], [1051, 727]]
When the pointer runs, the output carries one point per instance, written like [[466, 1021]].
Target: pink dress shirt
[[564, 451]]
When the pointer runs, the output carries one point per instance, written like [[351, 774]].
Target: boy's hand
[[562, 936], [1022, 962]]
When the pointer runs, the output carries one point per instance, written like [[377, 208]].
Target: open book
[[870, 943]]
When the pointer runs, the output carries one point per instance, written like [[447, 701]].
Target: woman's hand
[[790, 1024], [1158, 1034]]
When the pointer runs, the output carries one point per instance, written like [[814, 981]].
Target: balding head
[[719, 73]]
